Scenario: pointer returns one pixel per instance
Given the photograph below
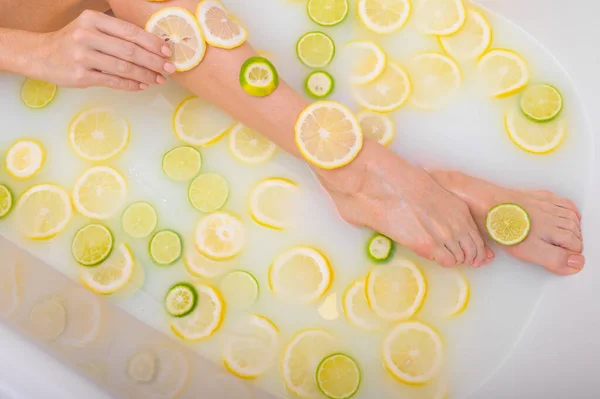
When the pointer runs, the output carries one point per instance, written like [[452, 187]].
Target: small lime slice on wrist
[[240, 289], [181, 300], [6, 200], [541, 103], [259, 77], [92, 244], [165, 247], [38, 94], [508, 224], [182, 163], [338, 376], [319, 84], [139, 219], [380, 248], [208, 192], [327, 12], [315, 49]]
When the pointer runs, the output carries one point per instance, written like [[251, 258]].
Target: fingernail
[[160, 79], [166, 51], [169, 68], [144, 86], [576, 262]]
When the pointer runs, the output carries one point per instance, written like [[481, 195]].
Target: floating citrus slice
[[387, 93], [472, 40], [205, 319], [44, 211], [98, 134], [435, 78], [441, 17], [24, 159], [111, 275], [384, 16], [376, 126], [503, 71], [99, 192], [270, 202], [220, 235], [199, 123], [249, 146]]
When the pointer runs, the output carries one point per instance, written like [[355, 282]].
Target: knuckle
[[79, 35], [130, 31], [88, 15], [80, 75], [123, 66], [79, 55], [129, 49]]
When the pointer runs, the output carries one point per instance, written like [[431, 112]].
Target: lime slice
[[165, 247], [315, 49], [182, 163], [240, 289], [508, 224], [208, 192], [327, 12], [92, 244], [139, 219], [338, 376], [181, 300], [258, 77], [37, 94], [541, 103], [319, 84], [6, 200], [380, 248]]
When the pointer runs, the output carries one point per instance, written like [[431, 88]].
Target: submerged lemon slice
[[44, 211], [98, 134], [111, 275], [219, 27], [315, 49], [6, 200], [84, 317], [198, 265], [47, 319], [206, 318], [472, 40], [387, 93], [327, 12], [142, 367], [435, 78], [270, 202], [249, 146], [37, 94], [534, 137], [10, 287], [462, 294], [199, 123], [376, 126], [508, 224], [24, 159], [220, 235], [441, 17], [338, 376], [99, 192], [384, 16], [368, 60], [503, 71], [357, 310]]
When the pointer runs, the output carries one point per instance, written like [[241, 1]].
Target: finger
[[114, 82], [456, 251], [567, 224], [123, 69], [469, 248], [444, 257]]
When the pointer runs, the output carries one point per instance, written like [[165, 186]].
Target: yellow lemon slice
[[435, 78], [472, 40], [441, 17], [357, 310], [413, 352], [198, 123], [179, 29], [206, 318], [24, 159], [270, 202], [37, 94], [208, 192], [98, 134], [99, 192], [6, 200], [396, 291], [368, 60], [111, 275], [534, 137], [220, 235], [384, 16], [376, 126], [328, 135], [249, 146], [387, 93], [504, 72], [85, 316], [47, 319], [219, 27], [461, 291], [43, 211], [301, 274], [200, 266]]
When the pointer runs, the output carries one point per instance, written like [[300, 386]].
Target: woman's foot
[[555, 240], [381, 191]]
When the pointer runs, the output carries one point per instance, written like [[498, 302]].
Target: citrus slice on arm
[[98, 134], [24, 159], [508, 224], [258, 77], [220, 29], [249, 146]]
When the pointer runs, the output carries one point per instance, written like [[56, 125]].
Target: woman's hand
[[98, 50]]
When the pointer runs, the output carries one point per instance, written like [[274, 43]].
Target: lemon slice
[[220, 235], [301, 359], [396, 291], [319, 84], [239, 289], [199, 123], [249, 146], [165, 247], [208, 192], [357, 310], [541, 103], [111, 275], [6, 200], [537, 138], [44, 211], [315, 49], [413, 352], [172, 375], [182, 163], [24, 159], [220, 29], [508, 224], [142, 367], [47, 319], [376, 126], [179, 29], [384, 16], [435, 78], [441, 17], [338, 376], [139, 219], [258, 77], [10, 287], [37, 94], [301, 274], [368, 60], [98, 134], [462, 293], [251, 347], [92, 244], [387, 93], [99, 192], [181, 300], [270, 202], [328, 135], [503, 71], [328, 310], [205, 320], [327, 12], [84, 317], [200, 266], [472, 40]]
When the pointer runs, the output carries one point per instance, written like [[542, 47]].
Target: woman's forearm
[[17, 49]]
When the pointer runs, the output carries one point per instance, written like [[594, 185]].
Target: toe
[[484, 254], [568, 204], [444, 257], [555, 259], [456, 250], [565, 239], [469, 249], [567, 224]]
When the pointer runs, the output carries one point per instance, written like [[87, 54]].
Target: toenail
[[576, 262]]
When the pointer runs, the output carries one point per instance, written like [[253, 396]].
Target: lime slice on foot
[[139, 220], [380, 248], [508, 224], [319, 84], [6, 200], [259, 77], [327, 12], [166, 247], [338, 376], [182, 163], [315, 49], [541, 103], [92, 244], [181, 300]]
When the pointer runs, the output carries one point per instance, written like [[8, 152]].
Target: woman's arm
[[16, 47]]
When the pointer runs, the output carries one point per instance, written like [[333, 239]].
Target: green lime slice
[[240, 289], [181, 300], [327, 12], [165, 247], [319, 84], [338, 376], [541, 103], [6, 200], [208, 192], [315, 49], [182, 163], [508, 224], [37, 94], [380, 248], [92, 244], [139, 219], [259, 77]]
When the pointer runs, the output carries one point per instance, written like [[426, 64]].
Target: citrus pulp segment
[[98, 134]]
